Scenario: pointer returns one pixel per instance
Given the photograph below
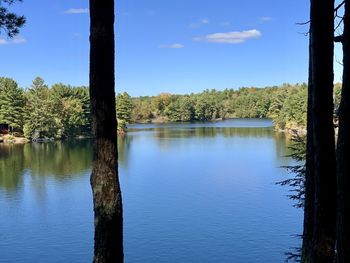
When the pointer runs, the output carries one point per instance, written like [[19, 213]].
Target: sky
[[179, 46]]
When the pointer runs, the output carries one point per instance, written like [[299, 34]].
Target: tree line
[[326, 233], [285, 105], [63, 111], [60, 111]]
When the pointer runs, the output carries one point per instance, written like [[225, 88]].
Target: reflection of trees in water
[[60, 160], [124, 143], [57, 159], [167, 137], [283, 143], [11, 166], [210, 132]]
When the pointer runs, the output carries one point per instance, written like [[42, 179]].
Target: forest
[[63, 111]]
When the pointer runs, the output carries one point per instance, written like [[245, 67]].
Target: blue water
[[201, 192]]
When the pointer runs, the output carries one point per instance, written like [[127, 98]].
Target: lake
[[200, 192]]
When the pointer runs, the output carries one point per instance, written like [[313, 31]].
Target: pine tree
[[40, 117], [10, 22], [11, 104], [124, 110]]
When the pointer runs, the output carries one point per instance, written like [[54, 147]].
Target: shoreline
[[9, 139]]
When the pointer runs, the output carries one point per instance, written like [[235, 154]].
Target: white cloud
[[266, 18], [230, 37], [76, 11], [14, 40], [173, 46], [19, 40], [200, 23]]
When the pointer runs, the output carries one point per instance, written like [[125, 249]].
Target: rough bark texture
[[324, 165], [343, 150], [108, 245]]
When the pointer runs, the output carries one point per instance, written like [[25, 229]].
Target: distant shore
[[10, 139]]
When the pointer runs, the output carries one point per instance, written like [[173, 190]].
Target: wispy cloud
[[235, 37], [172, 46], [14, 40], [266, 18], [72, 11], [201, 22]]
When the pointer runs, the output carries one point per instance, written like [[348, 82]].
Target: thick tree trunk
[[321, 59], [309, 204], [343, 150], [108, 246]]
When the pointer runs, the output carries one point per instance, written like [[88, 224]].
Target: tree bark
[[343, 150], [309, 203], [108, 215], [324, 164]]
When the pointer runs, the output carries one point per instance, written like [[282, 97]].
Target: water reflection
[[190, 191], [60, 160], [11, 166], [63, 160], [124, 143], [204, 132]]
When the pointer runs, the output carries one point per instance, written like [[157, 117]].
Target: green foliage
[[10, 22], [160, 102], [60, 112], [142, 110], [181, 109], [71, 108], [124, 110], [64, 111], [285, 105], [11, 104], [40, 117], [293, 112]]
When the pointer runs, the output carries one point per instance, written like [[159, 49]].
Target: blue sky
[[177, 46]]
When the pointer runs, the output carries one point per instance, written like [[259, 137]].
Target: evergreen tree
[[11, 104], [10, 22], [124, 110], [40, 117]]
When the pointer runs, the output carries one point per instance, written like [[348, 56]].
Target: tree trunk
[[108, 245], [343, 150], [324, 167], [309, 203]]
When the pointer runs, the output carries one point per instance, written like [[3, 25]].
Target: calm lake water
[[202, 192]]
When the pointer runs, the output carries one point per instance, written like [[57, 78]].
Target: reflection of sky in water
[[191, 192]]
